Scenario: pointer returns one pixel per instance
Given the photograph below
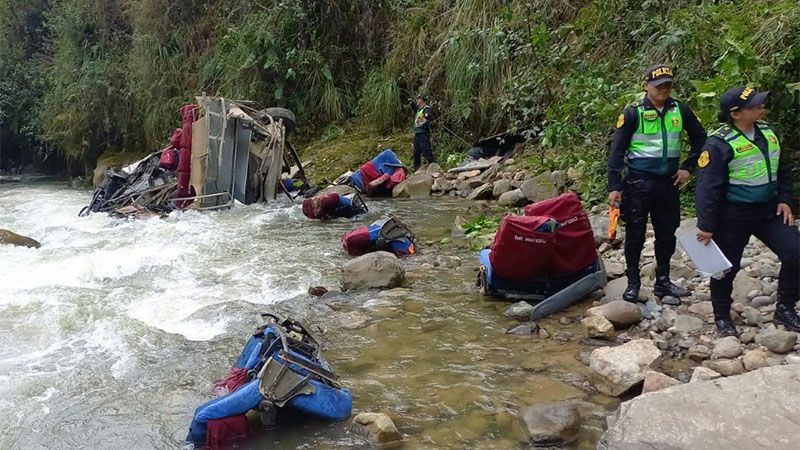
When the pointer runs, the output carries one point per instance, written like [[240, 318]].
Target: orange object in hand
[[613, 219]]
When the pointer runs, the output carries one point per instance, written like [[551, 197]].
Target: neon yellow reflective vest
[[656, 145], [421, 127], [752, 173]]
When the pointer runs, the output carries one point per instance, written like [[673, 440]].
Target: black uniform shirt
[[625, 131], [712, 180]]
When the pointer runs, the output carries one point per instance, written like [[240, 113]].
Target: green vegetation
[[480, 230], [79, 77]]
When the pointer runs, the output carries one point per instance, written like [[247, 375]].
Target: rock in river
[[521, 310], [373, 270], [554, 424], [376, 428], [11, 238]]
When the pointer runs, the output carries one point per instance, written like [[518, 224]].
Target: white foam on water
[[170, 310], [93, 274], [48, 393], [274, 290], [107, 342], [34, 357]]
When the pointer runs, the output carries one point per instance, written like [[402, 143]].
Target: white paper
[[708, 259]]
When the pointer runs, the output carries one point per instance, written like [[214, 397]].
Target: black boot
[[631, 293], [725, 327], [786, 314], [664, 287]]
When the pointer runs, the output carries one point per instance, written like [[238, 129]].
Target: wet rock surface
[[376, 428], [373, 270], [10, 238], [555, 424]]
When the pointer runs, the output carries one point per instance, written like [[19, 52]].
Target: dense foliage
[[79, 77]]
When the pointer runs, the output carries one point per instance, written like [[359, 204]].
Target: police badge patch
[[704, 159], [621, 120]]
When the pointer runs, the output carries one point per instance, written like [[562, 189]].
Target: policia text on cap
[[647, 142], [744, 189]]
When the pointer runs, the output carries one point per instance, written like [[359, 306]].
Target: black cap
[[739, 97], [658, 74], [423, 96]]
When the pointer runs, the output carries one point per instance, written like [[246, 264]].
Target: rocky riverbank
[[487, 179], [683, 331], [627, 349]]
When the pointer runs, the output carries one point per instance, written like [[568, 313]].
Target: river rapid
[[113, 332]]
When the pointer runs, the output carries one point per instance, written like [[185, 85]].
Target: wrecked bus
[[226, 151]]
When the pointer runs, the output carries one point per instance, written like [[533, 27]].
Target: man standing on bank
[[422, 131], [745, 189], [647, 142]]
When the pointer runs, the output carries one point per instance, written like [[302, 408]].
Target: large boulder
[[11, 238], [555, 424], [618, 369], [373, 270], [753, 411], [500, 187], [377, 429], [539, 188], [618, 312], [418, 185], [513, 198]]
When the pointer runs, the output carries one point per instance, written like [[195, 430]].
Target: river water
[[112, 333]]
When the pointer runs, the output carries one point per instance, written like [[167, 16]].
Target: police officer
[[744, 189], [647, 142], [422, 131]]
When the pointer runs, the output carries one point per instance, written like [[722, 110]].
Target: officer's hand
[[704, 236], [786, 212], [614, 198], [682, 177]]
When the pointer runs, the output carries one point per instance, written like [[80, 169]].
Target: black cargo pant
[[646, 195], [735, 225], [422, 147]]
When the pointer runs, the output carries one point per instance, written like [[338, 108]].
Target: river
[[112, 333]]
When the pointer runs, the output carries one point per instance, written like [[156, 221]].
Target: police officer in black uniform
[[744, 189], [423, 115], [647, 142]]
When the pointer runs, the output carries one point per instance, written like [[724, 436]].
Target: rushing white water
[[95, 315], [112, 332]]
